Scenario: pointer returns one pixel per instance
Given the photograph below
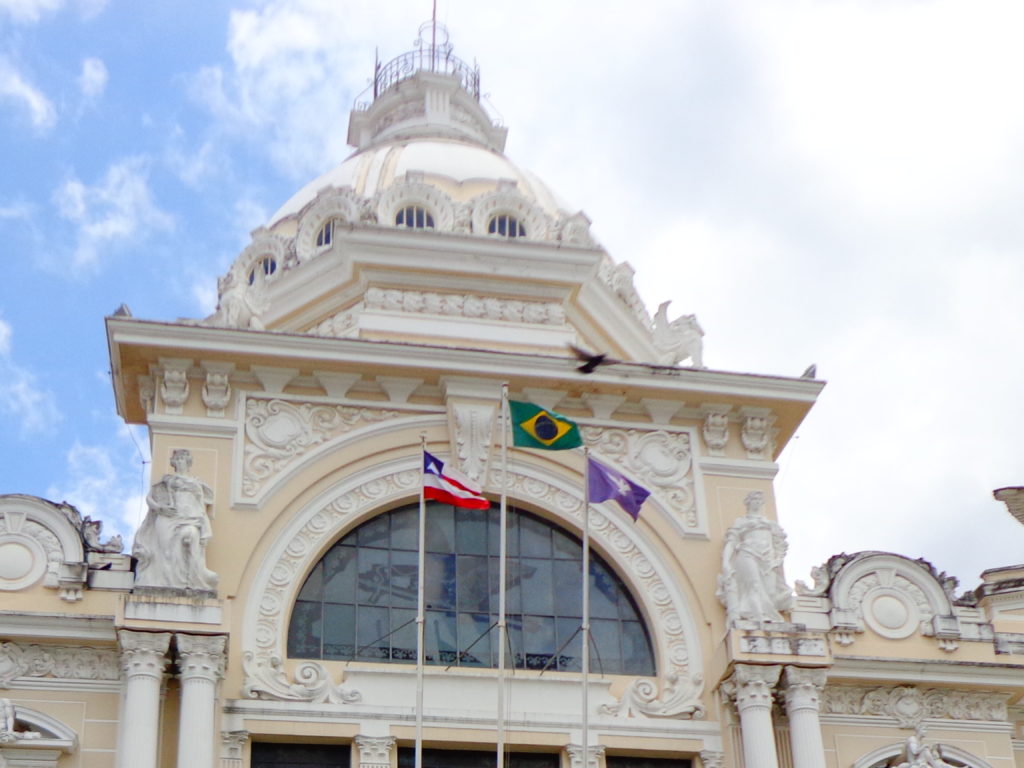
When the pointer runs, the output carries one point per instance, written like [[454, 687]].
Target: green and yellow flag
[[536, 427]]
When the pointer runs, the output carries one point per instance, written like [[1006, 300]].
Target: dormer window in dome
[[414, 217], [505, 225], [326, 234], [266, 267]]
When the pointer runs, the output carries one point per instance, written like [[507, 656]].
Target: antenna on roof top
[[433, 39]]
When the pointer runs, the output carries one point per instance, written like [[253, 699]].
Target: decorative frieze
[[910, 705], [29, 660], [662, 462], [278, 433], [464, 305]]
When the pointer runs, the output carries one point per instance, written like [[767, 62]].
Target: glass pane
[[374, 533], [569, 588], [539, 639], [569, 635], [440, 528], [403, 641], [313, 587], [636, 658], [513, 588], [339, 566], [494, 535], [473, 588], [566, 547], [535, 537], [304, 631], [440, 643], [374, 581], [514, 653], [475, 640], [404, 566], [471, 531], [604, 649], [405, 529], [339, 631], [372, 633], [604, 593], [439, 583], [538, 597]]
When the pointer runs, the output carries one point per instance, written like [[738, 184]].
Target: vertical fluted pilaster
[[232, 748], [752, 688], [200, 666], [803, 698], [143, 660]]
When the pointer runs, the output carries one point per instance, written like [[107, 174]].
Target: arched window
[[326, 234], [414, 217], [265, 266], [505, 225], [359, 602]]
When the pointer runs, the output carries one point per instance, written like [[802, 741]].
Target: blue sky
[[821, 182]]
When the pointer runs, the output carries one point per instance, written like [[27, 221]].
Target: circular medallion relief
[[890, 613], [22, 562]]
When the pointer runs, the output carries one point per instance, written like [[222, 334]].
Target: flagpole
[[502, 578], [585, 623], [421, 558]]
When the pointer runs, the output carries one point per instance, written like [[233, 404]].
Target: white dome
[[460, 169]]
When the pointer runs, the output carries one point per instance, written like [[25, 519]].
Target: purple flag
[[606, 484]]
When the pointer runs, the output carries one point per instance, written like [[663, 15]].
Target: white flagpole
[[420, 606], [585, 623], [502, 577]]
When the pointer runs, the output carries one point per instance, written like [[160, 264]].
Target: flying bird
[[591, 360]]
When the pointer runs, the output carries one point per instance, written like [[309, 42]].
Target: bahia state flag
[[605, 484], [450, 486], [536, 427]]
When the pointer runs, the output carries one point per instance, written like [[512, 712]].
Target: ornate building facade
[[265, 615]]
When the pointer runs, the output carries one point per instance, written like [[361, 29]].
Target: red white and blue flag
[[448, 485]]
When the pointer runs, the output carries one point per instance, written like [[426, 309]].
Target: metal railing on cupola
[[433, 53]]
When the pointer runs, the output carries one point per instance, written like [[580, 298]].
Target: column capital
[[232, 743], [375, 750], [711, 758], [752, 685], [143, 653], [803, 687], [201, 656], [576, 755]]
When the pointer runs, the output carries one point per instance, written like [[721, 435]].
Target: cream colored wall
[[93, 716]]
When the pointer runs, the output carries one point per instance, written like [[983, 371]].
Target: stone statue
[[917, 754], [91, 530], [677, 340], [751, 586], [171, 543], [239, 305]]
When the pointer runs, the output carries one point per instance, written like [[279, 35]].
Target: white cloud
[[29, 11], [15, 89], [116, 211], [107, 482], [17, 210], [22, 400], [93, 79], [33, 11]]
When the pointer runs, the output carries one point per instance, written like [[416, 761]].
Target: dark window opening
[[414, 217], [504, 225]]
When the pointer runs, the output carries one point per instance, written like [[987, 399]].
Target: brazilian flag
[[536, 427]]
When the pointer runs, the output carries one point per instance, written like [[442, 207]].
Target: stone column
[[594, 755], [200, 666], [803, 697], [375, 751], [751, 687], [143, 659]]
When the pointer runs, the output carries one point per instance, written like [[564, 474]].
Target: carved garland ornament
[[663, 462], [277, 433], [912, 705], [464, 305], [18, 660], [676, 695]]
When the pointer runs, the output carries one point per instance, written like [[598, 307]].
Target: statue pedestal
[[177, 606], [783, 643]]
